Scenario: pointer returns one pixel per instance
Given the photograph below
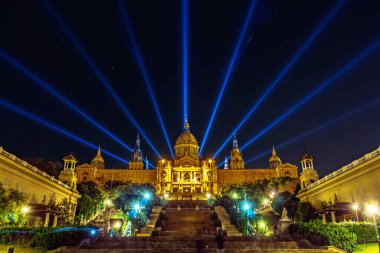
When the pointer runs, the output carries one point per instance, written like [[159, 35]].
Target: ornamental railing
[[346, 168]]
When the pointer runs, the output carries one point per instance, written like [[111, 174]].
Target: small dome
[[274, 158], [98, 160], [306, 156]]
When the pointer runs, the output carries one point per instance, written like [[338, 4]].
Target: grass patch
[[20, 249], [367, 248]]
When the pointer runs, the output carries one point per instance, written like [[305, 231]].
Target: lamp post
[[245, 214], [373, 210], [356, 208]]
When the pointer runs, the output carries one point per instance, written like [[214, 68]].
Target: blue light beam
[[318, 128], [58, 129], [228, 73], [185, 33], [360, 57], [96, 71], [140, 62], [285, 70], [8, 58]]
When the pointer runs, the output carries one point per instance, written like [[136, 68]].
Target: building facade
[[40, 189], [187, 175], [355, 183]]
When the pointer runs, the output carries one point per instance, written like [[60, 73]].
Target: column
[[55, 220], [47, 217], [333, 219], [324, 218]]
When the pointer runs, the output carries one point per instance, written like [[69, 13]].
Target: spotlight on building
[[166, 195], [208, 195], [356, 207]]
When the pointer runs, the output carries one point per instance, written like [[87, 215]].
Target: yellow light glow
[[372, 209], [235, 196], [166, 195], [208, 195], [25, 209], [108, 202], [163, 161], [209, 161], [117, 224], [266, 201], [355, 207], [262, 224]]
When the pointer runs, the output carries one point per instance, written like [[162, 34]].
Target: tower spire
[[187, 126], [225, 163], [138, 142], [235, 144], [273, 151], [99, 151]]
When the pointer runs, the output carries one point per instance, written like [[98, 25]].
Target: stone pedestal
[[283, 226]]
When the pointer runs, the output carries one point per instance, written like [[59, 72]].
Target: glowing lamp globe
[[246, 206], [137, 207], [147, 195]]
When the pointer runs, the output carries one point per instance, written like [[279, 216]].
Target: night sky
[[275, 32]]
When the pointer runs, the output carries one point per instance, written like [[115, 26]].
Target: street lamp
[[137, 208], [208, 195], [356, 208], [166, 195], [147, 195], [25, 210], [374, 210]]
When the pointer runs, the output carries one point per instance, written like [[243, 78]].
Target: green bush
[[364, 231], [325, 234], [42, 237]]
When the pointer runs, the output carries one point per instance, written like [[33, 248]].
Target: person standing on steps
[[219, 242]]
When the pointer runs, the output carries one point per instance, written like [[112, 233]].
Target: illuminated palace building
[[186, 175]]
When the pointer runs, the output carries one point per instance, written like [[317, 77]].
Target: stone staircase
[[189, 244], [188, 222], [224, 218]]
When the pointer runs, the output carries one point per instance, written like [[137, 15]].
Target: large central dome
[[186, 144]]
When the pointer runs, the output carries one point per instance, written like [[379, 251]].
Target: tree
[[306, 212], [11, 203], [287, 200], [90, 200]]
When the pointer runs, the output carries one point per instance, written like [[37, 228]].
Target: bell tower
[[237, 161], [68, 175], [136, 163], [308, 175]]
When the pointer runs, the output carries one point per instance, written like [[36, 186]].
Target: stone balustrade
[[150, 226], [224, 218]]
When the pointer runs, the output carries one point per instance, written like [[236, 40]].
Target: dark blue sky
[[277, 29]]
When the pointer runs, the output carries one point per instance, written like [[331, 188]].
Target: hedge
[[325, 234], [48, 238], [364, 231]]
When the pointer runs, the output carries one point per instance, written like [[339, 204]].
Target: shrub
[[364, 231], [325, 234]]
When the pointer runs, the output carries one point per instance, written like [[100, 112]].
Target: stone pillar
[[47, 217], [55, 220], [333, 219], [324, 218]]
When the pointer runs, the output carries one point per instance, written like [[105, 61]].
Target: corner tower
[[308, 175], [136, 163], [237, 161]]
